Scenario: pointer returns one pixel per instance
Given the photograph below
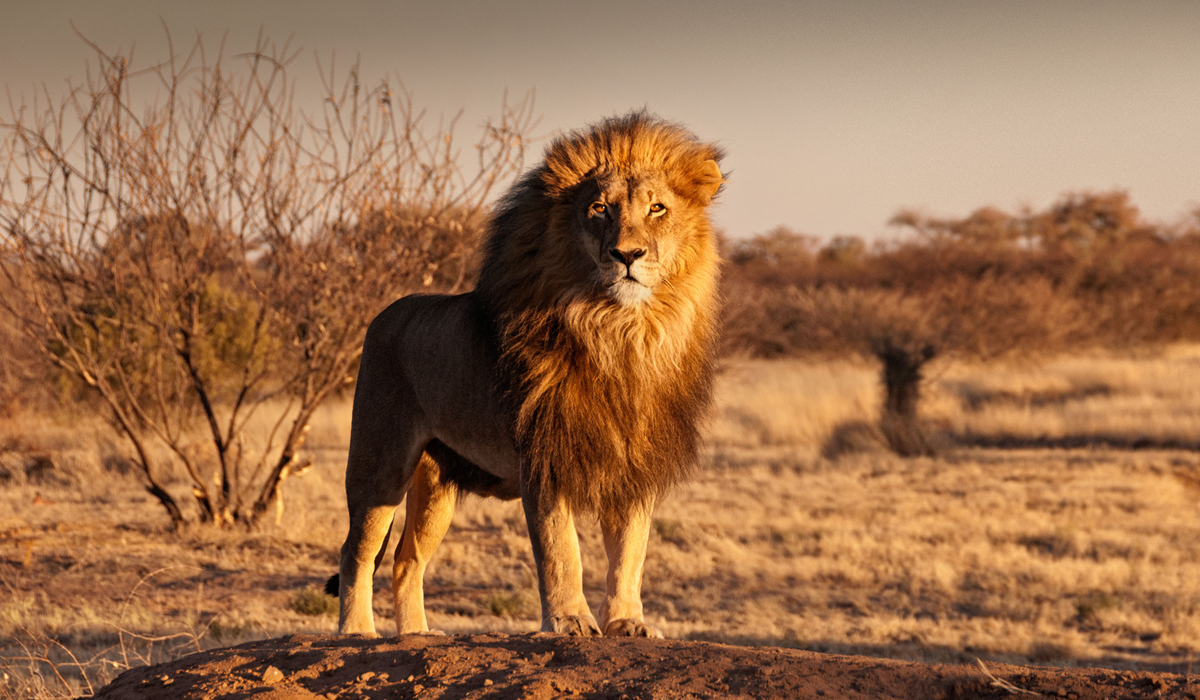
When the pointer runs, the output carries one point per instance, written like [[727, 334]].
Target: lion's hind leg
[[333, 583], [369, 530], [430, 507], [378, 472]]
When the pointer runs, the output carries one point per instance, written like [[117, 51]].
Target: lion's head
[[618, 211], [637, 228]]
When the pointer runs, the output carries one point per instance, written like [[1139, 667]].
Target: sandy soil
[[499, 666]]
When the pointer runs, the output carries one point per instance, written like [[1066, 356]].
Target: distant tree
[[781, 247], [902, 330], [987, 226], [1087, 271], [845, 251], [1078, 221], [199, 254], [1083, 221]]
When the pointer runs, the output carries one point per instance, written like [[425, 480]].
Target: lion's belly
[[495, 456], [448, 362]]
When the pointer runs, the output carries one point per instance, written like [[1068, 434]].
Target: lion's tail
[[334, 582]]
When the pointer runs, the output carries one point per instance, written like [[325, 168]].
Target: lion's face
[[632, 227]]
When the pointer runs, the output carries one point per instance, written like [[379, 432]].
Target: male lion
[[573, 376]]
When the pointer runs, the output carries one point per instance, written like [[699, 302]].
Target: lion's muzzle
[[627, 256]]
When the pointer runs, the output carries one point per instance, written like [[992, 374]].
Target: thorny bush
[[188, 247]]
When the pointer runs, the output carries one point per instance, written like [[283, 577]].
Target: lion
[[573, 376]]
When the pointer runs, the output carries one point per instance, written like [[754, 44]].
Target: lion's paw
[[629, 627], [575, 625]]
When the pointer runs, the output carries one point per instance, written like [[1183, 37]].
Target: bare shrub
[[44, 663], [194, 250], [24, 384]]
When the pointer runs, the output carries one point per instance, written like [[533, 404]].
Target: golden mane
[[604, 399]]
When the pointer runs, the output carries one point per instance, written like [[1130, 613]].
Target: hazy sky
[[835, 114]]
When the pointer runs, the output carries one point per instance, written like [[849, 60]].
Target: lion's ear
[[708, 179]]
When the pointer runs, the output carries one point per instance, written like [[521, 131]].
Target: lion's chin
[[628, 292]]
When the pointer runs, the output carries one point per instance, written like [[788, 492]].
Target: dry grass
[[1144, 401], [1122, 401], [1068, 556], [791, 402], [1035, 555]]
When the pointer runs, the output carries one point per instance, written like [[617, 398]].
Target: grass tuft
[[507, 604], [669, 530], [311, 600]]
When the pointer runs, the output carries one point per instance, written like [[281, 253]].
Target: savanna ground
[[1057, 526]]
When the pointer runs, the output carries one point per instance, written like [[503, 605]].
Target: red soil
[[543, 666]]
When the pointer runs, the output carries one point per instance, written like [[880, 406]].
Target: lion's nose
[[627, 256]]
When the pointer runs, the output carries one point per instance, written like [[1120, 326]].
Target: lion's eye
[[657, 208], [599, 208]]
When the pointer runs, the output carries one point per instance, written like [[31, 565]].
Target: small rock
[[418, 688], [487, 681], [272, 675], [366, 676]]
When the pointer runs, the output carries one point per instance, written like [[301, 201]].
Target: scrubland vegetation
[[978, 440], [1087, 273], [188, 251], [1021, 552]]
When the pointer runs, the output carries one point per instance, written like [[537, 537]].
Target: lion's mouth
[[629, 291]]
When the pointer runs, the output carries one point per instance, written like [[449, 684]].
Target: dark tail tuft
[[331, 586]]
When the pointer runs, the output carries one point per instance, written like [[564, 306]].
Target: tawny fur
[[574, 375], [605, 399]]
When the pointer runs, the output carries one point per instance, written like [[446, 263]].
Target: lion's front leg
[[625, 538], [560, 574]]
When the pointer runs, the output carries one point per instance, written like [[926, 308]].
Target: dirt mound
[[499, 667]]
